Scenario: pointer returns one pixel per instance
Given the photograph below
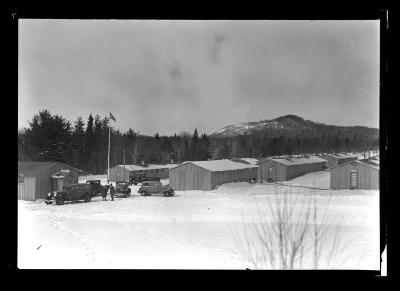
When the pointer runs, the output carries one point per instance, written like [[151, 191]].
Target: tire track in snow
[[89, 247]]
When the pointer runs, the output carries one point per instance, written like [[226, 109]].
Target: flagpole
[[108, 164]]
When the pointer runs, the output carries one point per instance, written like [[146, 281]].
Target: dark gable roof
[[34, 168], [340, 156], [295, 161], [371, 165], [218, 165]]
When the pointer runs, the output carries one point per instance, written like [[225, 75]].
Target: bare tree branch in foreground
[[292, 232]]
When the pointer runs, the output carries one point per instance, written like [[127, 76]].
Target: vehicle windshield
[[93, 182]]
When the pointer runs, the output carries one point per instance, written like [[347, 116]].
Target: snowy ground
[[193, 229]]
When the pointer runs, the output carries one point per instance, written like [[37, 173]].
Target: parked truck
[[96, 187]]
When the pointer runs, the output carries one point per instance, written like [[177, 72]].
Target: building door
[[353, 179], [60, 184], [270, 173]]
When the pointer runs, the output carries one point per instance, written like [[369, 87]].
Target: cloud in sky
[[170, 76]]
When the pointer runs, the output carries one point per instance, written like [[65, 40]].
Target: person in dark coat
[[112, 191], [104, 192]]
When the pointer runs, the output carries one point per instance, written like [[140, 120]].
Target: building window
[[20, 178]]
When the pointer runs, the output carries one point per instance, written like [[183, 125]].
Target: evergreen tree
[[97, 146], [89, 145], [224, 151], [48, 138], [194, 146], [23, 147], [130, 137], [204, 148], [186, 152], [78, 144], [336, 143]]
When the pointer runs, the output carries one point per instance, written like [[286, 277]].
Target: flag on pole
[[112, 117], [108, 158]]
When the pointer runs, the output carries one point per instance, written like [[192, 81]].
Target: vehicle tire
[[88, 197], [143, 193], [59, 201]]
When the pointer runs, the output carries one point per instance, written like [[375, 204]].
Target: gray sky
[[170, 76]]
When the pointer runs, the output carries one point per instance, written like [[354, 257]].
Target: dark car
[[72, 192], [139, 178], [96, 186], [155, 187], [122, 189]]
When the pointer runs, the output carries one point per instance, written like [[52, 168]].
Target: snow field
[[193, 229]]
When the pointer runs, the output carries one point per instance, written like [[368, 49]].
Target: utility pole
[[108, 162], [124, 164], [111, 117]]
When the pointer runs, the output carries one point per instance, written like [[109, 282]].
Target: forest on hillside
[[84, 144]]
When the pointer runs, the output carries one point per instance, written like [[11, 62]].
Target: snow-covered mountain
[[285, 124]]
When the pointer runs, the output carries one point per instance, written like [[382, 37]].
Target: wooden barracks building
[[207, 175], [283, 169], [37, 179], [338, 159], [117, 173], [355, 175]]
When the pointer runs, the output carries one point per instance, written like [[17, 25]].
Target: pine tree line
[[85, 145], [285, 144]]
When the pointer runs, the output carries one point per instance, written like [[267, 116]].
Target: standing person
[[112, 191], [104, 192]]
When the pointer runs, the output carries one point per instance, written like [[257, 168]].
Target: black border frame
[[383, 14]]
